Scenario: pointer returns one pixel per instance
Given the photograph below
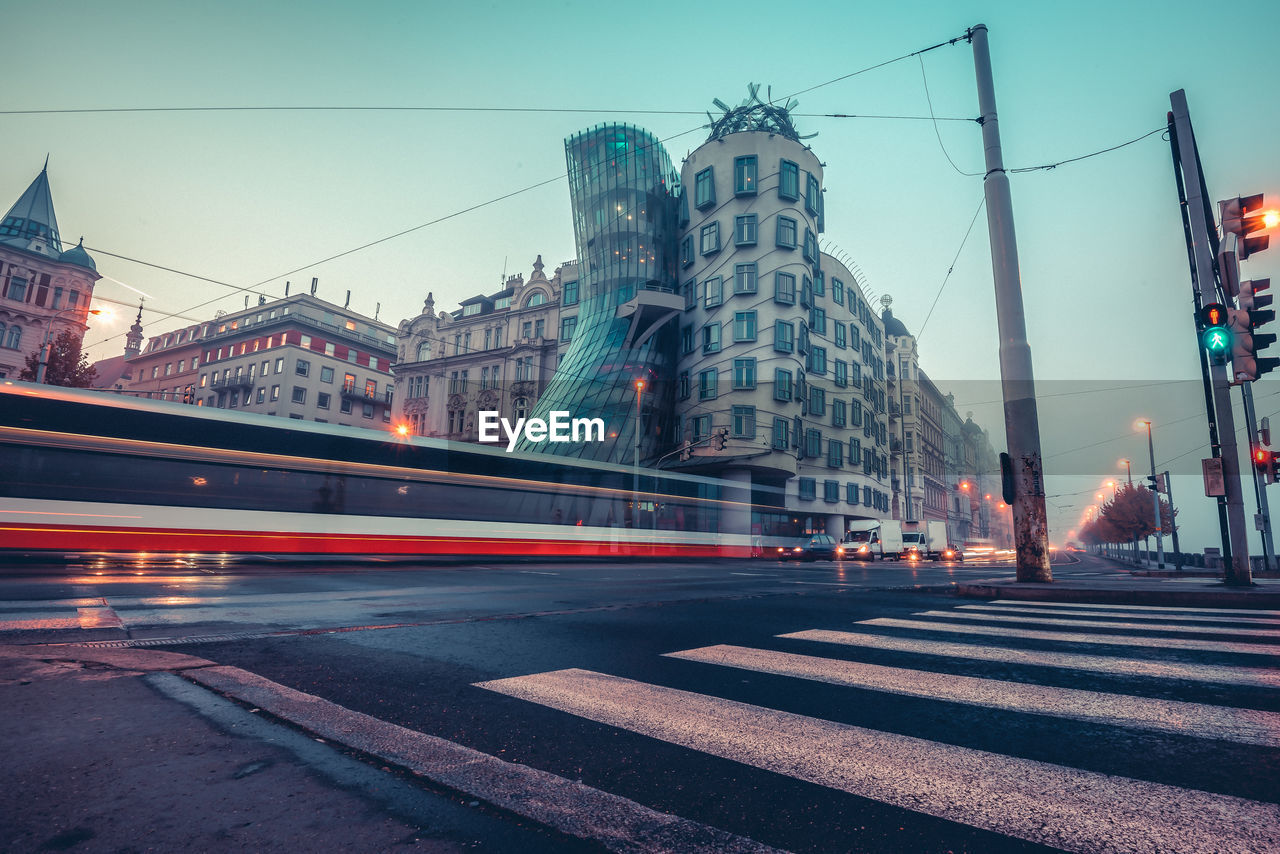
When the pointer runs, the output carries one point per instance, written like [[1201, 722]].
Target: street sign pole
[[1203, 233]]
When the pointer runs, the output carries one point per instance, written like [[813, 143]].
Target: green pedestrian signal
[[1216, 337]]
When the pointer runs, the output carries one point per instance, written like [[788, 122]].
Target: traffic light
[[686, 451], [1264, 463], [719, 438], [1215, 336], [1157, 483], [1246, 365], [1241, 217]]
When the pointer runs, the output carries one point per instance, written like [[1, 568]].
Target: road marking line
[[1258, 677], [38, 624], [1048, 620], [1070, 611], [1049, 804], [1079, 637], [613, 822], [1246, 726], [1174, 608], [824, 583], [99, 618], [536, 572]]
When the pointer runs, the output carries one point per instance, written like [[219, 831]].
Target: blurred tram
[[84, 472]]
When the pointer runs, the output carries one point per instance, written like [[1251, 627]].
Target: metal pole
[[1155, 502], [1238, 571], [1021, 419], [1207, 383], [635, 478], [1173, 522], [1259, 485]]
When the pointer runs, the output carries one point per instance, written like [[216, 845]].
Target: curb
[[1213, 598], [572, 808]]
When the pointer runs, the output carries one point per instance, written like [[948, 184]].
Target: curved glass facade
[[624, 197]]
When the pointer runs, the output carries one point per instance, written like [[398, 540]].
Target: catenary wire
[[982, 201]]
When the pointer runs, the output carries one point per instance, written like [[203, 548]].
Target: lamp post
[[1128, 468], [48, 335], [635, 482], [1155, 499]]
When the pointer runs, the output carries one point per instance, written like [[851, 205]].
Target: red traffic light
[[1214, 314]]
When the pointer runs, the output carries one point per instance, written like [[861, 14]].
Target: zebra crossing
[[1065, 807]]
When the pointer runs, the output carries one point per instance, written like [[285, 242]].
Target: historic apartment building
[[296, 357], [494, 352], [44, 290]]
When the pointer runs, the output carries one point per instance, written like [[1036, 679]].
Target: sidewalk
[[143, 750], [1186, 591]]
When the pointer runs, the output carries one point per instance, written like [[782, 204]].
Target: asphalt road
[[811, 707]]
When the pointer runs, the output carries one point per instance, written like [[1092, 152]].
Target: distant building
[[296, 357], [44, 290], [495, 353]]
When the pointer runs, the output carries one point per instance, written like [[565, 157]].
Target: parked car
[[817, 547]]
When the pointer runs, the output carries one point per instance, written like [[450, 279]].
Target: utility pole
[[1203, 235], [1155, 502], [1173, 522], [1021, 417]]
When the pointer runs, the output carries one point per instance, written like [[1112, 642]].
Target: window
[[349, 383], [808, 489], [744, 175], [856, 421], [714, 289], [484, 378], [709, 238], [704, 189], [806, 292], [811, 193], [233, 400], [851, 493], [686, 339], [837, 293], [784, 336], [520, 407], [744, 326], [279, 367], [570, 293], [782, 384], [744, 230], [855, 452], [784, 288], [839, 413], [818, 321], [744, 278], [526, 329], [786, 232], [539, 329], [831, 488], [299, 394], [538, 298], [711, 338], [813, 443], [842, 373], [744, 423], [708, 382], [686, 250], [322, 400], [789, 180], [817, 401], [326, 373], [744, 373], [17, 289], [857, 374], [468, 310], [683, 384], [701, 427], [367, 410], [819, 283], [840, 332], [567, 325], [781, 434], [690, 290], [262, 395], [168, 371], [57, 303], [866, 494], [811, 250]]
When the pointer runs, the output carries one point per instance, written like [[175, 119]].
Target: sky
[[255, 198]]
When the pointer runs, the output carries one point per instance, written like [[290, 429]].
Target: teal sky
[[246, 196]]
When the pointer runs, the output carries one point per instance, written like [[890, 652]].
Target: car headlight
[[797, 549]]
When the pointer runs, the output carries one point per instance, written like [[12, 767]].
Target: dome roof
[[76, 255], [893, 326]]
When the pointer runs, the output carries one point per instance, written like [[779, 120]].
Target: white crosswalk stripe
[[1171, 609], [1086, 810], [1247, 726], [1047, 620], [1077, 637], [1070, 611]]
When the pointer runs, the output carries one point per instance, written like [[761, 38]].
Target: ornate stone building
[[44, 289]]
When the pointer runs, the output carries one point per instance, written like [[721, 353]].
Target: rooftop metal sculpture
[[755, 114]]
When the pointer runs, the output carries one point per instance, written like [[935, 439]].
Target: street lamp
[[635, 483], [1128, 467], [48, 335], [1155, 499]]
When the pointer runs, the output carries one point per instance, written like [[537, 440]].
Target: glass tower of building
[[624, 196]]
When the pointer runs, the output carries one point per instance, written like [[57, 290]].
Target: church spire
[[133, 341]]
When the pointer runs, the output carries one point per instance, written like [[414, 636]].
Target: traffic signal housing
[[719, 438], [1265, 463], [1215, 332], [1241, 217]]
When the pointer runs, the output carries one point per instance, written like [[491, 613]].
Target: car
[[953, 553], [818, 546]]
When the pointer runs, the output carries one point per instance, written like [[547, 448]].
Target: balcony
[[362, 395], [229, 383]]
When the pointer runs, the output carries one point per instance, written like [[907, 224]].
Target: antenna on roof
[[378, 308], [315, 283], [286, 288], [348, 302], [504, 270]]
